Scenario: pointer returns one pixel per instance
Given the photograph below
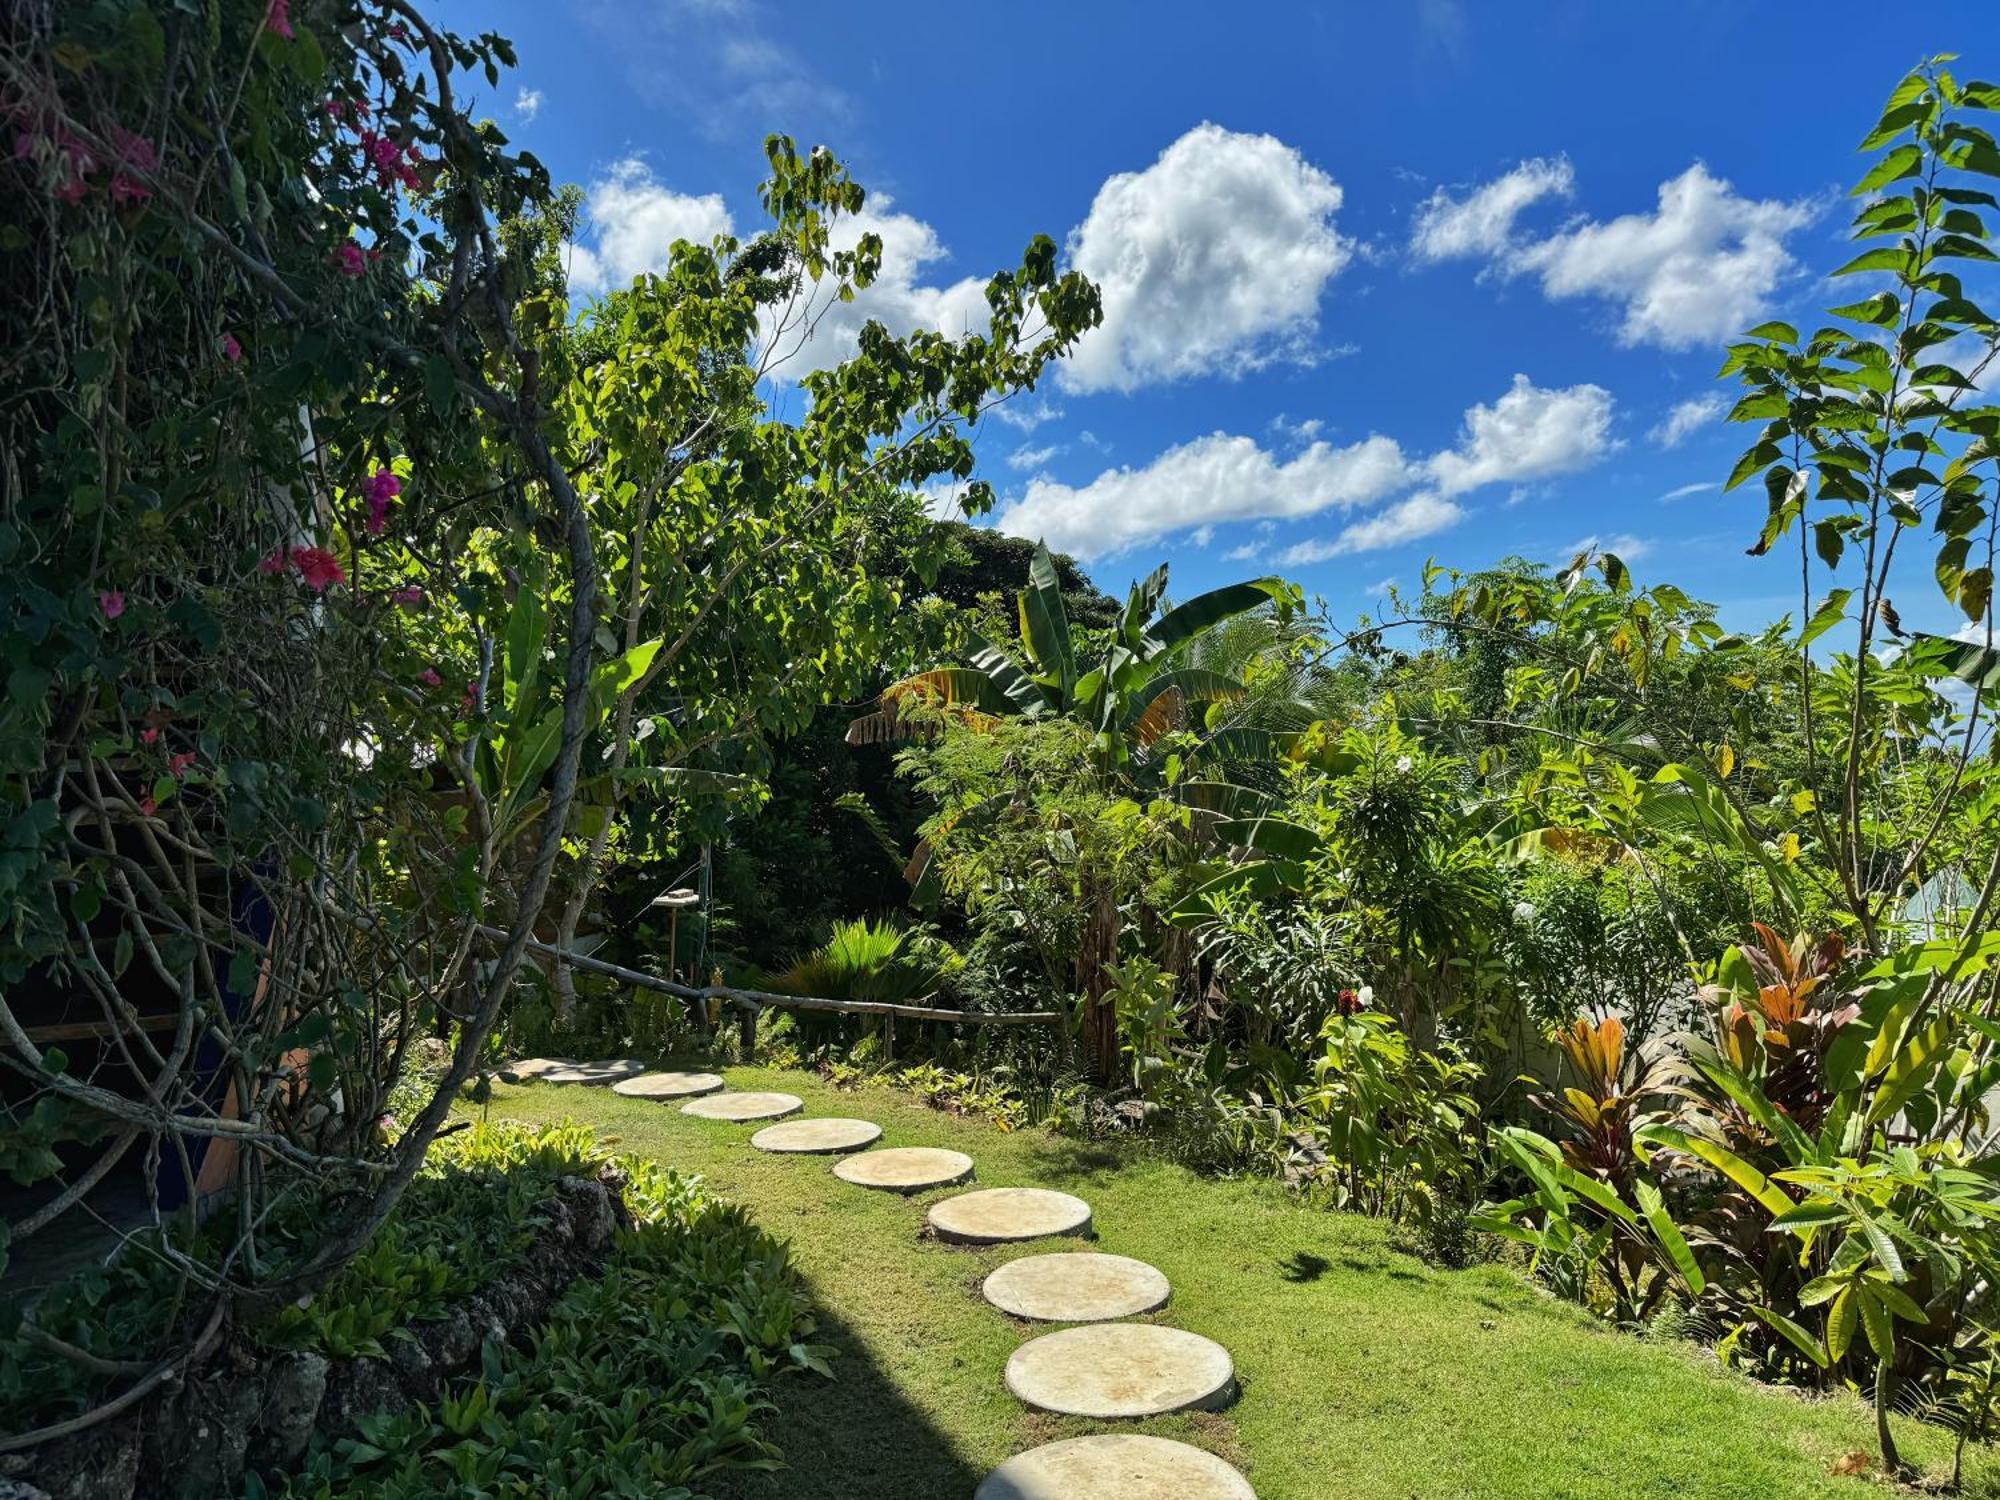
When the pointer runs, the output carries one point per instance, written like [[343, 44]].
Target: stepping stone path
[[589, 1072], [1121, 1370], [996, 1216], [817, 1137], [669, 1085], [741, 1107], [1126, 1466], [905, 1169], [1081, 1287], [1103, 1369]]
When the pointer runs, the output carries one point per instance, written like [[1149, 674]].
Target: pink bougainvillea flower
[[429, 677], [383, 486], [348, 259], [177, 764], [318, 568], [273, 563], [410, 598], [278, 19], [112, 603], [231, 350], [134, 150], [129, 190], [147, 807], [149, 736]]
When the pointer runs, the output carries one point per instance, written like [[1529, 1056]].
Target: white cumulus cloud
[[1413, 516], [528, 103], [1211, 261], [1686, 417], [632, 220], [1527, 433], [1705, 264], [1699, 269], [1212, 479], [820, 332], [1482, 222]]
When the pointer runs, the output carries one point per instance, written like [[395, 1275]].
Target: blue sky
[[1383, 282]]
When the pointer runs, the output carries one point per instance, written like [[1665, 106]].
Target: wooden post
[[746, 1029], [888, 1039]]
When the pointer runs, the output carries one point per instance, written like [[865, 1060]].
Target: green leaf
[[1840, 1320], [527, 627], [1885, 258], [1273, 836], [1725, 1161], [1799, 1337], [1044, 623], [1774, 332], [1904, 161], [1832, 610], [1875, 1319], [1970, 663], [1671, 1240], [1190, 619]]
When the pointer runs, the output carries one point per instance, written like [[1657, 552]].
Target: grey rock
[[219, 1413], [294, 1386], [359, 1388]]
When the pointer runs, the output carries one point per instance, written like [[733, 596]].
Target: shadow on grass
[[1303, 1266], [1063, 1160], [855, 1437]]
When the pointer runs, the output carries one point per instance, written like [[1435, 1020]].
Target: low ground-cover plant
[[469, 1218], [643, 1381]]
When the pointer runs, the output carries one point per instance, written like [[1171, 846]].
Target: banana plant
[[1133, 695]]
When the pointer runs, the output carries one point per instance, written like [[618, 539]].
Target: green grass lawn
[[1365, 1373]]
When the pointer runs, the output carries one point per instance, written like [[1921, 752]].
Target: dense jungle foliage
[[377, 616]]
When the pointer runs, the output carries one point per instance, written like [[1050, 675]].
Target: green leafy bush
[[644, 1381]]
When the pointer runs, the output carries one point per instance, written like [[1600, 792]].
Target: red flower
[[231, 350], [318, 568], [383, 487], [1348, 1002], [147, 807], [112, 603], [429, 677], [348, 259], [273, 563], [177, 764], [278, 20], [149, 736], [129, 190]]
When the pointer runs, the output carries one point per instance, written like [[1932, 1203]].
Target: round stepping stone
[[1080, 1287], [817, 1137], [1115, 1466], [993, 1216], [1111, 1370], [608, 1071], [525, 1068], [668, 1085], [905, 1169], [744, 1106]]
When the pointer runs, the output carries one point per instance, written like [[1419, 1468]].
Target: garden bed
[[525, 1256]]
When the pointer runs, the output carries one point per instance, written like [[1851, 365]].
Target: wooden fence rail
[[749, 1003]]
